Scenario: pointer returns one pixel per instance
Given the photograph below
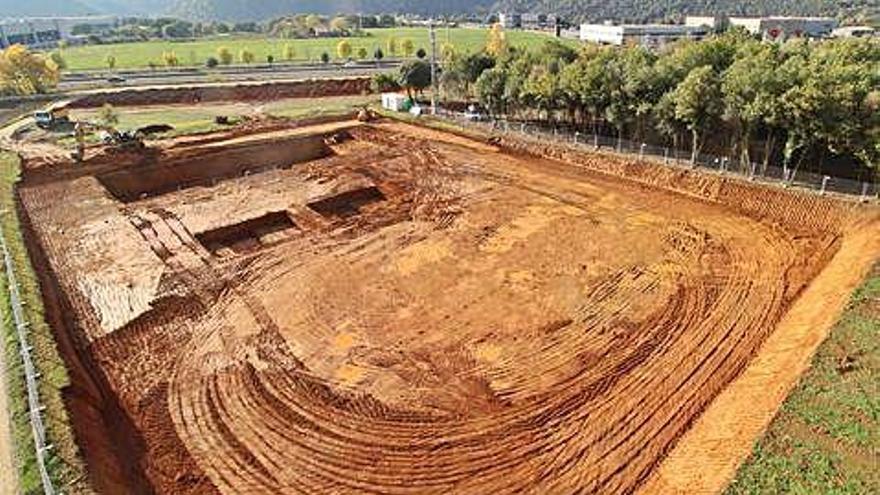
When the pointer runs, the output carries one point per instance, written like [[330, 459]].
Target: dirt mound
[[226, 92], [409, 311]]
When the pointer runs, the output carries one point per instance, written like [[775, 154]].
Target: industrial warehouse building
[[697, 27], [648, 35], [46, 32]]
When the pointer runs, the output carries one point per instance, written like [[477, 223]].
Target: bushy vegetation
[[23, 72], [64, 462], [798, 101]]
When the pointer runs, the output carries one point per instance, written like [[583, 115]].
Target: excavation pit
[[211, 167], [248, 235], [494, 321], [347, 204]]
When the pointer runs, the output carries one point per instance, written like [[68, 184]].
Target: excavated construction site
[[385, 308]]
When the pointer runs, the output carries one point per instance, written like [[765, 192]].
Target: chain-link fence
[[35, 409], [865, 190]]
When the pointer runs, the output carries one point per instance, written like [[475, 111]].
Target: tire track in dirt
[[480, 322]]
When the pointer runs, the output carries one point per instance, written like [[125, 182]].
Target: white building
[[715, 23], [854, 32], [396, 102], [783, 28], [45, 32], [648, 35], [509, 20]]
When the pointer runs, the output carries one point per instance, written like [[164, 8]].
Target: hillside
[[654, 10], [573, 10]]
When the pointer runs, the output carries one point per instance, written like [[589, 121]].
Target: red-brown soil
[[410, 311]]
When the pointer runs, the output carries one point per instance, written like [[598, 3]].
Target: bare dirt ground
[[386, 308]]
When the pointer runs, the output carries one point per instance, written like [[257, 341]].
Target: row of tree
[[23, 72], [799, 99]]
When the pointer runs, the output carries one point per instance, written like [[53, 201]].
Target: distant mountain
[[258, 10], [30, 8], [573, 10], [658, 10]]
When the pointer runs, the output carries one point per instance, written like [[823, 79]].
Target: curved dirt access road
[[415, 312]]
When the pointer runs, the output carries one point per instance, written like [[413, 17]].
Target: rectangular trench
[[248, 235], [138, 182]]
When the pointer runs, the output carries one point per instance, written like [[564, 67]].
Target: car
[[473, 114], [115, 79]]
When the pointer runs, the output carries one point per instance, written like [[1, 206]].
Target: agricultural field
[[139, 55], [343, 306]]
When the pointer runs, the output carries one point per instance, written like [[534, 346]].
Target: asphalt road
[[95, 80]]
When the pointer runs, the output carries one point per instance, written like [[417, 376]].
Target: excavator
[[109, 135]]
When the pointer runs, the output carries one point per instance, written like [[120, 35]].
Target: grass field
[[826, 437], [131, 55], [65, 465], [194, 119]]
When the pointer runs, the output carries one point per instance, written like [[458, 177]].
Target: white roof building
[[649, 35]]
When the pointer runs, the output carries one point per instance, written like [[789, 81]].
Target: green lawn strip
[[196, 52], [826, 436], [64, 463]]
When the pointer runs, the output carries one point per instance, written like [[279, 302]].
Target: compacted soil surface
[[386, 308]]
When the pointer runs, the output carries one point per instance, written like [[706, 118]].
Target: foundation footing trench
[[412, 311]]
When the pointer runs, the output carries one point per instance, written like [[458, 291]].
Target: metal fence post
[[596, 141], [575, 137], [824, 184], [864, 192], [666, 156]]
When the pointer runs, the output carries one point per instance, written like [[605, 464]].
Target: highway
[[77, 81]]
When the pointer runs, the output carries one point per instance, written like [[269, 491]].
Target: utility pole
[[433, 35]]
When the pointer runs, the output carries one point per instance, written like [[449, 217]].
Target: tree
[[472, 66], [752, 87], [378, 55], [212, 62], [384, 83], [246, 56], [362, 52], [289, 52], [339, 25], [415, 76], [490, 87], [177, 29], [407, 47], [392, 45], [170, 59], [110, 60], [447, 52], [23, 72], [344, 49], [497, 41], [58, 59], [325, 58], [698, 103], [224, 55], [313, 22], [421, 53], [270, 59], [108, 116]]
